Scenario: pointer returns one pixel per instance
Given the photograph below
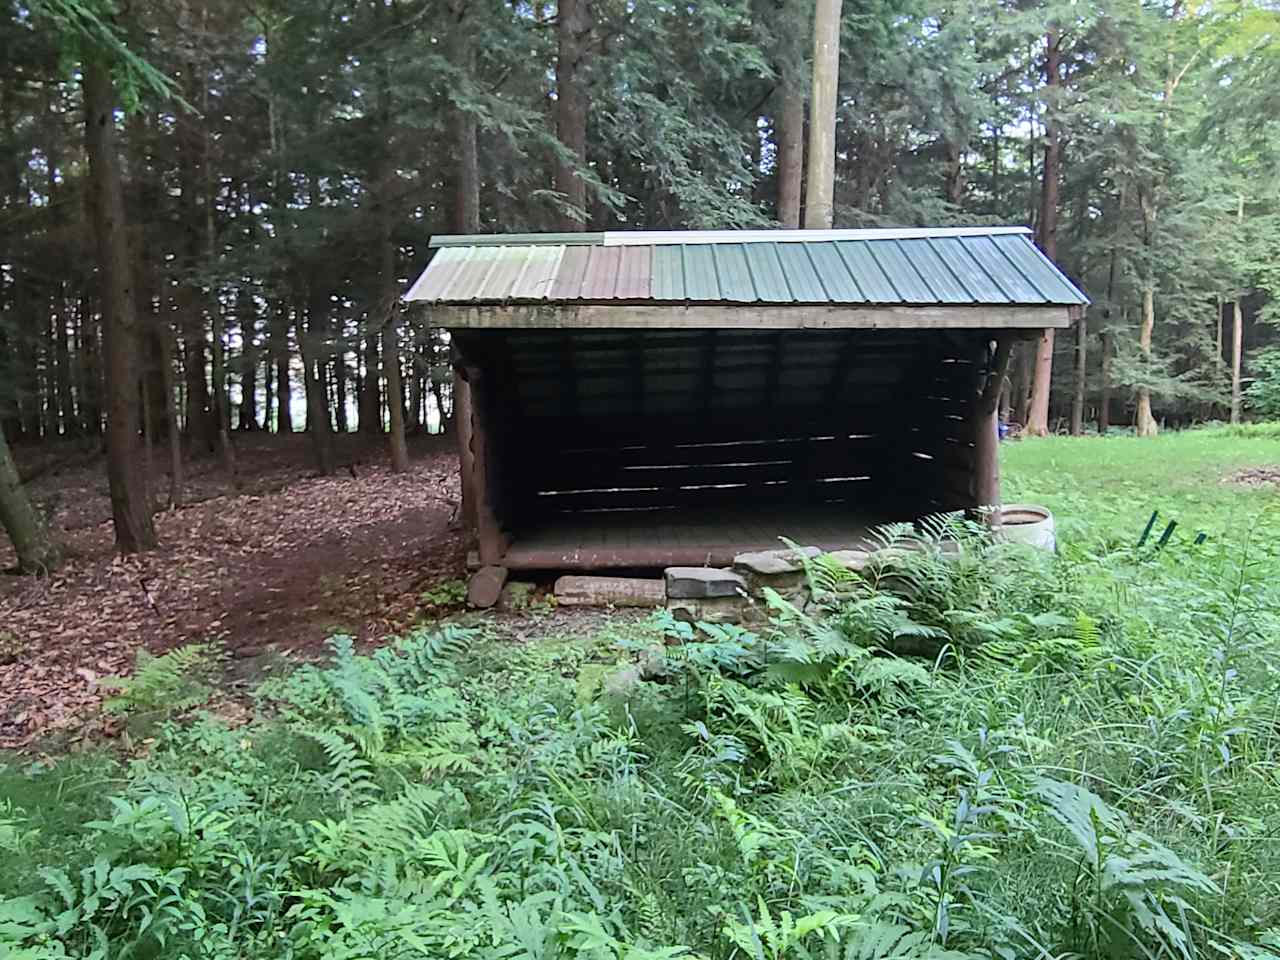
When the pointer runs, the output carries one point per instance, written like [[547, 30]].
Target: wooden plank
[[750, 316]]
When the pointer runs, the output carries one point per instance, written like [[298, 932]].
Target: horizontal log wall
[[604, 421]]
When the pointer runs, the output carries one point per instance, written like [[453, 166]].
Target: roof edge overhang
[[695, 316], [660, 238]]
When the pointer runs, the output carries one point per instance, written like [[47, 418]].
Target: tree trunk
[[466, 200], [284, 389], [1218, 357], [268, 389], [1104, 401], [1042, 379], [340, 391], [89, 368], [168, 380], [1022, 383], [395, 392], [129, 507], [1237, 340], [573, 33], [247, 314], [370, 397], [388, 299], [1145, 423], [819, 207], [437, 391], [317, 397], [66, 405], [37, 551], [198, 416], [1080, 381], [1237, 356], [790, 136], [221, 414]]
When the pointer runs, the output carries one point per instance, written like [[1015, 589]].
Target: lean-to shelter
[[646, 399]]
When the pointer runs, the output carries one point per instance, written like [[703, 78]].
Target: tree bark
[[370, 396], [317, 396], [1237, 356], [1104, 400], [129, 507], [790, 152], [395, 391], [37, 551], [89, 369], [572, 31], [1144, 422], [1042, 377], [247, 315], [819, 207], [986, 429], [1080, 380], [284, 389], [388, 299], [1022, 383], [466, 200], [167, 358], [1237, 340]]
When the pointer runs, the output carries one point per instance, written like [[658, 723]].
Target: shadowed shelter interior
[[700, 409]]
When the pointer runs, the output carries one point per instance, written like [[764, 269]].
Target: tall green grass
[[1086, 763]]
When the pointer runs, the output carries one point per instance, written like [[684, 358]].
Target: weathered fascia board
[[751, 317]]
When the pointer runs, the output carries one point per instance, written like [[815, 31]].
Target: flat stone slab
[[485, 587], [852, 559], [609, 592], [739, 610], [773, 563], [698, 583]]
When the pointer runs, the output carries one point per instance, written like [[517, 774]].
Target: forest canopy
[[282, 165]]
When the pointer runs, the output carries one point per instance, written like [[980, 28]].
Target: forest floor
[[271, 565], [264, 571]]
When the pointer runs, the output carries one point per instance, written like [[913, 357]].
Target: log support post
[[475, 411], [984, 423]]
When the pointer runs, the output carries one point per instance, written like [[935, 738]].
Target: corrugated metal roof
[[955, 266]]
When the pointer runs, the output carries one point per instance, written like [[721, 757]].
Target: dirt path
[[281, 564]]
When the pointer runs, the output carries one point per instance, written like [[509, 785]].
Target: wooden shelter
[[639, 400]]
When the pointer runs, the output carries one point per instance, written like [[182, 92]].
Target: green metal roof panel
[[770, 281], [867, 273], [906, 279], [976, 281], [837, 281], [974, 265], [1038, 269], [733, 274], [668, 274], [1017, 288], [802, 279], [700, 281], [937, 274]]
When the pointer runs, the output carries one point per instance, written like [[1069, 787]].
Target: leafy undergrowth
[[1080, 758]]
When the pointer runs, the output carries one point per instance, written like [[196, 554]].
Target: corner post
[[478, 459], [986, 429]]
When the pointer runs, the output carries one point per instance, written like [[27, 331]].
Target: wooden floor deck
[[661, 538]]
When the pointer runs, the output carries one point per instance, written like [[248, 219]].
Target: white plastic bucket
[[1025, 523]]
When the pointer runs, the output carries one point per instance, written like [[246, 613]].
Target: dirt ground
[[1255, 476], [277, 564]]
